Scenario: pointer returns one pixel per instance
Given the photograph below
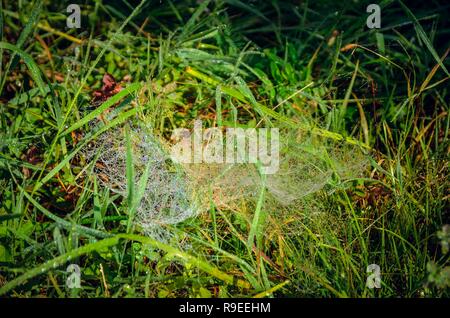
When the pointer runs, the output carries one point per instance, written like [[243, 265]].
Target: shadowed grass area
[[363, 112]]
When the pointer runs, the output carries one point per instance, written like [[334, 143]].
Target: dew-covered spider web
[[167, 199], [175, 192]]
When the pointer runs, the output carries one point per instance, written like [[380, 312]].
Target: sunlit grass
[[366, 113]]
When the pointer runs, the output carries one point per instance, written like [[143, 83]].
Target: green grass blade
[[57, 262], [32, 66], [130, 177], [66, 224], [29, 28], [117, 121], [186, 258], [256, 226], [423, 36], [99, 110]]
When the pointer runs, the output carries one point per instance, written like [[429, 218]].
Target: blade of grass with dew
[[47, 28], [139, 194], [130, 177], [423, 36], [187, 28], [117, 121], [270, 291], [32, 66], [35, 12], [97, 207], [103, 107], [36, 75], [66, 224], [256, 228], [8, 217], [343, 108], [112, 241], [219, 106], [57, 262]]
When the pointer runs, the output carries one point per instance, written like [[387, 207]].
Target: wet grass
[[313, 66]]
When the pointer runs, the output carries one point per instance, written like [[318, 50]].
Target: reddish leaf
[[110, 87]]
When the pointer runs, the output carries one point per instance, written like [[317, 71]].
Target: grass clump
[[363, 175]]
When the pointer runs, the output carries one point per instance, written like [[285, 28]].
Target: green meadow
[[91, 206]]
